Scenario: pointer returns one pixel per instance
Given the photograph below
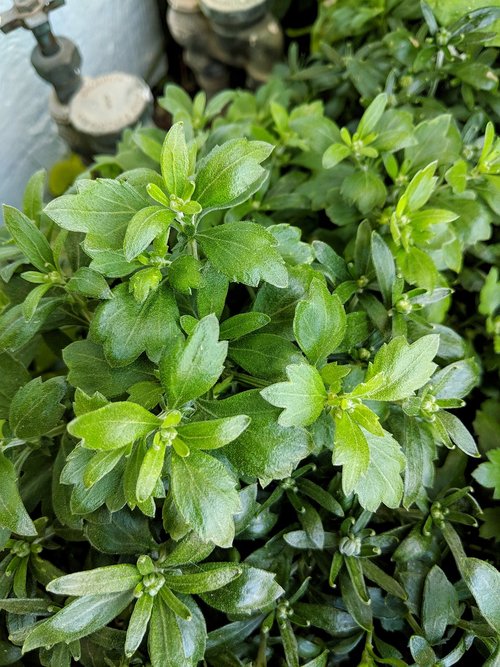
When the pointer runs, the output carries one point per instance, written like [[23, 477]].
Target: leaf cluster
[[235, 358]]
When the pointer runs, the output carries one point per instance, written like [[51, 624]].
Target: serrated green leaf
[[244, 252], [205, 494], [320, 322], [265, 449], [351, 451], [302, 397], [230, 172], [188, 369], [36, 408], [382, 482], [488, 474], [406, 367], [102, 209], [127, 328]]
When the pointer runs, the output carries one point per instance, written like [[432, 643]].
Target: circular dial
[[108, 104]]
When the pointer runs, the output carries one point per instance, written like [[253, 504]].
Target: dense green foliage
[[235, 362]]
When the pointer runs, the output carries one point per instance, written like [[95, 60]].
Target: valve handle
[[33, 15]]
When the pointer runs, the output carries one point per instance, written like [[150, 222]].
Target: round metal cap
[[108, 104], [234, 12]]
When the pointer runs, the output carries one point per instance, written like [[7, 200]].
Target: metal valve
[[32, 15], [218, 35], [91, 113], [56, 59]]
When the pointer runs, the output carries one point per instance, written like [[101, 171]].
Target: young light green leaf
[[33, 195], [421, 187], [406, 367], [101, 581], [244, 252], [351, 450], [113, 426], [150, 471], [13, 515], [101, 464], [385, 268], [174, 161], [32, 300], [382, 482], [188, 369], [204, 493], [143, 228], [372, 115], [319, 323], [214, 433], [302, 397], [335, 154], [29, 239]]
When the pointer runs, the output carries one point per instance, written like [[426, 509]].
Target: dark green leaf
[[36, 408], [205, 495], [188, 369], [29, 239], [13, 515], [127, 328], [244, 252]]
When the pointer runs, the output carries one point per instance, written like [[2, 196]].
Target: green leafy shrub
[[234, 362]]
